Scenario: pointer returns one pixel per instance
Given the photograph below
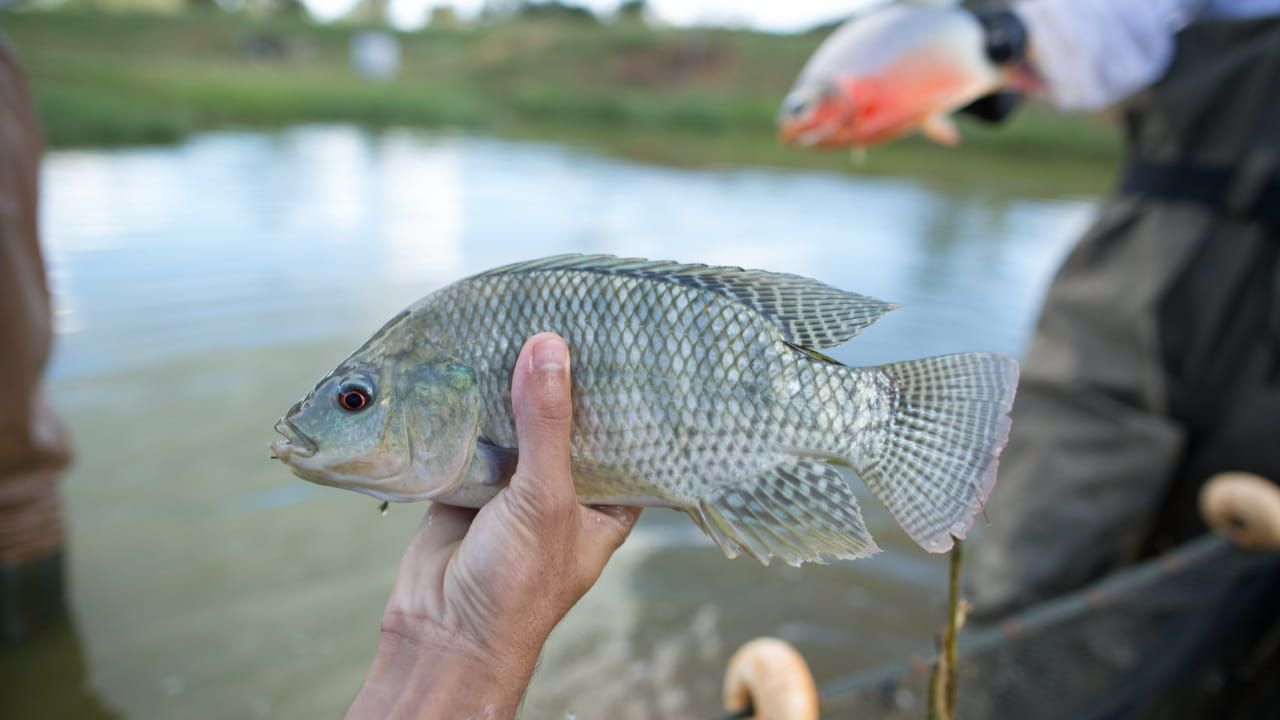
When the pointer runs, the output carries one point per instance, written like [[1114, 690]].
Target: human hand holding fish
[[904, 67], [478, 591]]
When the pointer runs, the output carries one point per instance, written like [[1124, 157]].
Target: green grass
[[693, 97]]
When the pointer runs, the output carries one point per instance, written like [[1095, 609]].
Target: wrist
[[1006, 45], [426, 671], [1005, 34]]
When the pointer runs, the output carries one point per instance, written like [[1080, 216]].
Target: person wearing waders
[[33, 445], [1156, 360]]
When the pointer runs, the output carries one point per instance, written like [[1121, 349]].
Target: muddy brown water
[[201, 288]]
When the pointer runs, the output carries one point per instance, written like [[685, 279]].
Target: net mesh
[[1192, 633]]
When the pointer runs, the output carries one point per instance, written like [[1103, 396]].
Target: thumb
[[543, 408]]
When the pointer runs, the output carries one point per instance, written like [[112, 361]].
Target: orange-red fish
[[888, 73]]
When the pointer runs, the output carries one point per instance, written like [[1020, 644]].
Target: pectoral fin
[[941, 129]]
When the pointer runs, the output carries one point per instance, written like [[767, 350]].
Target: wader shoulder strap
[[1207, 134]]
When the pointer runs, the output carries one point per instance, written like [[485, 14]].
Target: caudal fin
[[933, 461]]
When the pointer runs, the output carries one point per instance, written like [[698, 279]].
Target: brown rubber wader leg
[[1091, 450], [33, 445]]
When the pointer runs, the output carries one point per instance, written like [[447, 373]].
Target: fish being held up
[[889, 72], [695, 388]]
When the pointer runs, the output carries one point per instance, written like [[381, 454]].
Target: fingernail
[[550, 354]]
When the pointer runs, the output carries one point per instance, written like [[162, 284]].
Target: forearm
[[1091, 53], [421, 678]]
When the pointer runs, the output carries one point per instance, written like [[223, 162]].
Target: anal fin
[[801, 511]]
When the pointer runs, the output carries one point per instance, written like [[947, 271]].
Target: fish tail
[[931, 457]]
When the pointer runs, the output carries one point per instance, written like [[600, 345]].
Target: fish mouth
[[787, 133], [827, 117], [802, 138], [805, 132], [295, 442], [809, 132]]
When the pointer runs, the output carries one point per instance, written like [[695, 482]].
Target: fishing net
[[1193, 633]]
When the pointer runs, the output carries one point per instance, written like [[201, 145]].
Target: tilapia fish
[[889, 72], [695, 388]]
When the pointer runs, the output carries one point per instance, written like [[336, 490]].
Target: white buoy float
[[1245, 508], [770, 676]]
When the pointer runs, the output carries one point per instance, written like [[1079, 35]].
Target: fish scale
[[644, 438], [693, 388], [635, 405]]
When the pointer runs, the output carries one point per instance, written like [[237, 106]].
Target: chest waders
[[1156, 359], [1156, 363]]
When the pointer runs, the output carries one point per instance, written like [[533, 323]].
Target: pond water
[[201, 288]]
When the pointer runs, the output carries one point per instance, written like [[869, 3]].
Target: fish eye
[[354, 396], [798, 107]]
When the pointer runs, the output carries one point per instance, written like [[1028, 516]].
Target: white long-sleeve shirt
[[1091, 53]]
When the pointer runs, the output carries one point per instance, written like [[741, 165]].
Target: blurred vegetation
[[684, 96]]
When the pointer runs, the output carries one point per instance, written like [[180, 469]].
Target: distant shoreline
[[683, 97]]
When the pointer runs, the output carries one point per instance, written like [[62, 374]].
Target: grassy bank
[[689, 97]]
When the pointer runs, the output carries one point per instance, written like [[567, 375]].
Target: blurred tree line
[[628, 11], [375, 12]]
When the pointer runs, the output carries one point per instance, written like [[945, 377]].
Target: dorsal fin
[[809, 313]]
